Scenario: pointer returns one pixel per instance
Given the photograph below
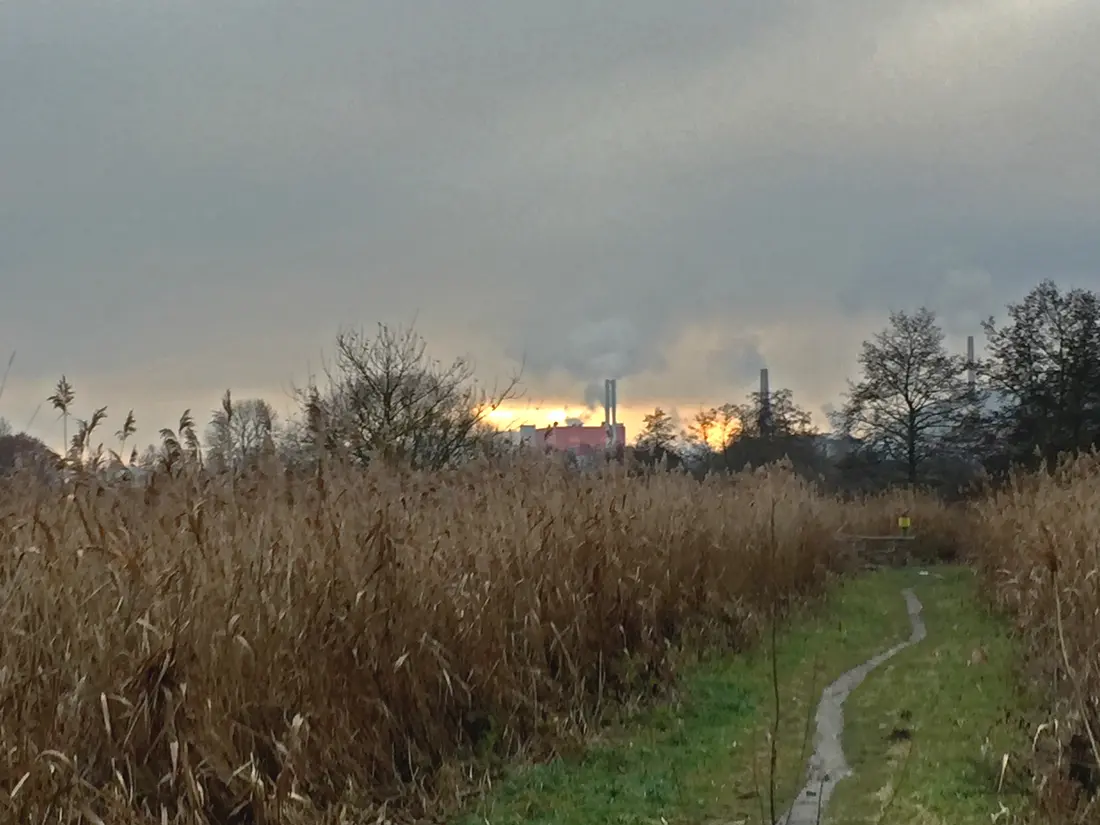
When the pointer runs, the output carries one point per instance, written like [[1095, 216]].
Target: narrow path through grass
[[706, 760], [925, 734]]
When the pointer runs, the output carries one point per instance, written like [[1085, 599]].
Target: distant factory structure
[[582, 440]]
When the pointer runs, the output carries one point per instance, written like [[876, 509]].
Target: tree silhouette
[[240, 433], [387, 399], [658, 432], [912, 398], [1043, 370]]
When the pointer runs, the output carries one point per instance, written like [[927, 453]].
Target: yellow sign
[[904, 523]]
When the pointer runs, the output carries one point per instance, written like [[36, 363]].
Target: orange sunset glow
[[544, 415]]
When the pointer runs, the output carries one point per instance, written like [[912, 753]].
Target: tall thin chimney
[[610, 413], [614, 411], [607, 412], [970, 370]]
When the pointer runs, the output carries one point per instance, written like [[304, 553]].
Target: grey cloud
[[195, 195], [736, 363], [610, 347], [594, 394]]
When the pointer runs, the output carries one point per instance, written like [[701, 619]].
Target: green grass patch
[[926, 732], [707, 757]]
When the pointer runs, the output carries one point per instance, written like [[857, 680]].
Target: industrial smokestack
[[607, 413], [970, 370], [610, 411], [614, 412]]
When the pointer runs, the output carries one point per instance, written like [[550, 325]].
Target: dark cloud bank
[[195, 196]]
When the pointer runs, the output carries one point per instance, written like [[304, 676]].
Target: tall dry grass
[[1037, 545], [278, 649], [941, 531]]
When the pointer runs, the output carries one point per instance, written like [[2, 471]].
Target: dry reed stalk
[[1037, 547], [276, 648]]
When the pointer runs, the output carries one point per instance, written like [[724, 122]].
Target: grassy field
[[707, 759], [291, 648], [362, 646], [927, 732]]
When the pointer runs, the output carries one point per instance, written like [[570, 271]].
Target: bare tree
[[714, 428], [762, 431], [720, 427], [23, 452], [240, 433], [658, 431], [293, 442], [776, 416], [387, 399], [149, 458], [913, 398], [5, 427], [656, 443], [1043, 370]]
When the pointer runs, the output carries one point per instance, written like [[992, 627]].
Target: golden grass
[[942, 531], [350, 645], [287, 649], [1037, 545]]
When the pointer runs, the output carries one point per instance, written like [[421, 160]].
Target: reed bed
[[1037, 547], [942, 532], [296, 649]]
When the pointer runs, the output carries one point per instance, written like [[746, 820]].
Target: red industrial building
[[582, 439], [579, 439]]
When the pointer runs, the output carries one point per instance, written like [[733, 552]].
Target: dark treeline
[[915, 413], [381, 398]]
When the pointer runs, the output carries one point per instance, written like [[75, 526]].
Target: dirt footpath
[[827, 765]]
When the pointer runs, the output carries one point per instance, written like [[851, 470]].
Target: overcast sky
[[196, 194]]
